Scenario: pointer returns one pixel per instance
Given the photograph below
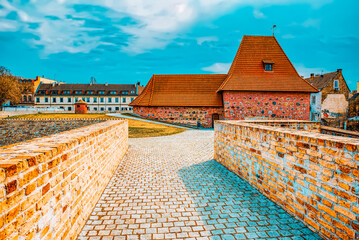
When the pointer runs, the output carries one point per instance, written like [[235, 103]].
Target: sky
[[126, 41]]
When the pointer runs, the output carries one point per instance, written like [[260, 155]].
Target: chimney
[[312, 75], [339, 70], [53, 84]]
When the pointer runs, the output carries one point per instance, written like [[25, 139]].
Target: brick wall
[[343, 88], [182, 115], [49, 186], [313, 176], [239, 105], [19, 130]]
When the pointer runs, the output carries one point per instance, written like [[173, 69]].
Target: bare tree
[[9, 87]]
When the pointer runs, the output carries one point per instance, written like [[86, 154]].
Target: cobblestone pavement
[[170, 188]]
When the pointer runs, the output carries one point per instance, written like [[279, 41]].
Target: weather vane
[[274, 26]]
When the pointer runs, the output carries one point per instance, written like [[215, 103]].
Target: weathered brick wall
[[343, 88], [313, 176], [49, 186], [182, 115], [239, 105], [19, 130]]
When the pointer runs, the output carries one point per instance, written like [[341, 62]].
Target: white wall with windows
[[94, 103]]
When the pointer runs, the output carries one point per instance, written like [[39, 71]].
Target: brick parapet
[[313, 176], [49, 185]]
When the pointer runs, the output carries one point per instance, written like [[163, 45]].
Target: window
[[78, 92], [132, 92], [87, 99], [116, 99], [101, 92], [68, 99], [124, 100], [54, 92], [313, 99], [132, 99], [69, 108], [125, 92], [61, 99], [110, 109], [76, 99], [37, 99], [53, 99], [109, 99], [25, 98], [42, 92], [95, 100], [66, 92], [29, 98], [117, 108], [113, 92], [95, 108], [83, 98], [46, 99], [336, 85], [102, 109], [268, 67], [102, 99], [89, 92]]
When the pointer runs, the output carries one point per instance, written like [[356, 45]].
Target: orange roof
[[182, 90], [247, 71]]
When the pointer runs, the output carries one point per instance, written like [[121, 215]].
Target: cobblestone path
[[170, 188]]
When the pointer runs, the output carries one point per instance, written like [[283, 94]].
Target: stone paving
[[171, 188]]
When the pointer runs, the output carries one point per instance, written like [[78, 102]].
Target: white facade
[[315, 106], [94, 103]]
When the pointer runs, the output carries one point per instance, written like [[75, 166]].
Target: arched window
[[25, 98], [29, 98]]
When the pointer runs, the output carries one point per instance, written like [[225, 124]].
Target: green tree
[[9, 87]]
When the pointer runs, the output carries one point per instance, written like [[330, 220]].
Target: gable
[[247, 72]]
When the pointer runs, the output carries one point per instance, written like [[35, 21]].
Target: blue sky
[[125, 41]]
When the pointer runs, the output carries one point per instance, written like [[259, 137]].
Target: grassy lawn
[[136, 129]]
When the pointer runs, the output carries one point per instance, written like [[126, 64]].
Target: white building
[[99, 97]]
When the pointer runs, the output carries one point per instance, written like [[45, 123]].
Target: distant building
[[99, 97], [261, 83], [334, 90]]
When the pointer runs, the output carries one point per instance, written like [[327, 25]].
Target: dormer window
[[336, 85], [268, 65]]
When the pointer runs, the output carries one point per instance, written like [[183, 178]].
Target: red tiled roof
[[182, 90], [320, 81], [247, 71]]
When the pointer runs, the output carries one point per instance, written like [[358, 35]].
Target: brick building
[[261, 82], [99, 97], [334, 92]]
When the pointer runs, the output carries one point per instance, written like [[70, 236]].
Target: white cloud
[[157, 22], [306, 71], [218, 68], [288, 36], [315, 23], [258, 14], [201, 40]]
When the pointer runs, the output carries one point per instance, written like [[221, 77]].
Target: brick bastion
[[19, 130], [49, 185], [313, 176]]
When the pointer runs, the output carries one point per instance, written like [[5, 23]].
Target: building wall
[[240, 105], [343, 88], [315, 106], [312, 176], [335, 105], [182, 115], [94, 103], [49, 189]]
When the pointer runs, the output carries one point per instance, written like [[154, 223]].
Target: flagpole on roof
[[274, 26]]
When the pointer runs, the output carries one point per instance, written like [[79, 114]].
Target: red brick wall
[[238, 105], [183, 115]]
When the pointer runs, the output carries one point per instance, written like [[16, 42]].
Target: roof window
[[268, 65]]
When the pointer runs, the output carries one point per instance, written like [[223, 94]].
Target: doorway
[[215, 116]]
